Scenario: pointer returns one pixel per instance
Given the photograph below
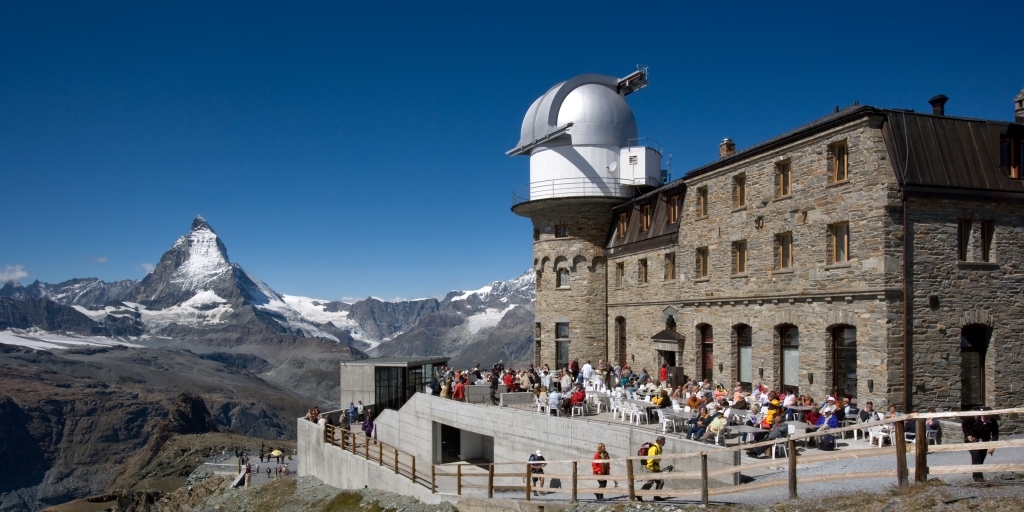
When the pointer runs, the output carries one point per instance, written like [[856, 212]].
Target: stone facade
[[724, 277]]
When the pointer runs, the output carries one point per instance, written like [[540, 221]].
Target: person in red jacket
[[459, 394], [508, 380], [601, 468]]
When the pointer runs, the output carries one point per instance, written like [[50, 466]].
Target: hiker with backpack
[[652, 452], [537, 468]]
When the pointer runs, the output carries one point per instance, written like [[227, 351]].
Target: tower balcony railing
[[581, 187]]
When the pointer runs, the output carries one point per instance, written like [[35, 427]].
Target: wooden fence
[[629, 472]]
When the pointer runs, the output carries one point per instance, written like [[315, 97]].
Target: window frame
[[673, 209], [620, 273], [1011, 155], [623, 224], [987, 228], [739, 191], [739, 257], [784, 250], [561, 231], [702, 201], [670, 266], [703, 266], [835, 230], [963, 235], [839, 161], [562, 278], [561, 327], [783, 179], [642, 271], [645, 217]]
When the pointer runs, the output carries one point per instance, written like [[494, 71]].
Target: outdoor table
[[802, 409], [801, 428], [746, 429]]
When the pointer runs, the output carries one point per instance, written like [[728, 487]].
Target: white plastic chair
[[640, 414], [541, 406], [580, 409], [665, 422], [879, 433]]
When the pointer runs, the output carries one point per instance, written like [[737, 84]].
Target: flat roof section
[[398, 361]]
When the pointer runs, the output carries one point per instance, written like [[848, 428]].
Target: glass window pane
[[791, 366], [746, 372]]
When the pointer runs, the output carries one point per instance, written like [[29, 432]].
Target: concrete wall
[[356, 384]]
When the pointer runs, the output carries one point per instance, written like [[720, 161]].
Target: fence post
[[327, 430], [529, 481], [921, 449], [490, 481], [574, 482], [900, 443], [458, 480], [366, 449], [629, 479], [791, 449], [704, 478], [396, 461], [380, 454], [433, 479], [412, 472]]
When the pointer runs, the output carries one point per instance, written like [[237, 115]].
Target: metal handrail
[[582, 187]]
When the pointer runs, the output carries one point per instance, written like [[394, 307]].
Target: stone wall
[[949, 294]]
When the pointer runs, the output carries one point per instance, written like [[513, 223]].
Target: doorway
[[707, 352], [451, 444], [974, 340]]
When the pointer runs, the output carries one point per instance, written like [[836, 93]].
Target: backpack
[[827, 443], [643, 449]]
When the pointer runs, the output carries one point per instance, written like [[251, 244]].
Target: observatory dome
[[600, 115]]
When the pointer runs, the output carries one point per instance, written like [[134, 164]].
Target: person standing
[[459, 395], [360, 410], [537, 468], [351, 412], [368, 425], [979, 429], [601, 468], [494, 388]]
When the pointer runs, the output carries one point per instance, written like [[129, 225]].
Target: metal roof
[[398, 361]]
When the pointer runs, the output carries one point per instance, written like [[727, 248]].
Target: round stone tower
[[585, 159]]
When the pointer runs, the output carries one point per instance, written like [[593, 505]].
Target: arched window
[[974, 341], [620, 336], [844, 360], [744, 355], [789, 350], [706, 345], [563, 278]]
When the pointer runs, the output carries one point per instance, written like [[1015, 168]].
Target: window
[[844, 360], [670, 266], [702, 202], [641, 271], [561, 231], [702, 262], [536, 331], [623, 224], [789, 342], [963, 236], [1011, 154], [783, 251], [739, 191], [673, 210], [706, 342], [620, 272], [562, 330], [563, 278], [840, 242], [783, 179], [839, 161], [645, 217], [739, 257], [974, 343], [744, 353], [538, 280]]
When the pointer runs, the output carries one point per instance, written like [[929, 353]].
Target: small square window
[[673, 210], [702, 262], [783, 251], [670, 266], [623, 224], [562, 330], [739, 191], [702, 202], [645, 217], [840, 243], [739, 257], [561, 231], [641, 273], [783, 179], [839, 161]]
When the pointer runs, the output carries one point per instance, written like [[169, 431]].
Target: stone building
[[788, 263]]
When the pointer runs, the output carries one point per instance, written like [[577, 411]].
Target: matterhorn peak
[[199, 223]]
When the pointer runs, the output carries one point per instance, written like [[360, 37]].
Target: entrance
[[451, 443], [973, 349], [667, 356], [707, 352]]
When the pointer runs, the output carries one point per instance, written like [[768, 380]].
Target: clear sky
[[347, 149]]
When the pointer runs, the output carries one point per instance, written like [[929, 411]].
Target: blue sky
[[352, 149]]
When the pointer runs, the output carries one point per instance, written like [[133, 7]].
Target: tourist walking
[[654, 466], [368, 425], [601, 468], [979, 429], [537, 468]]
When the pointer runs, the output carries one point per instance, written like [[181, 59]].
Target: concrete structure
[[386, 382], [872, 252]]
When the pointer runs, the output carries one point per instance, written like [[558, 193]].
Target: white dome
[[600, 116]]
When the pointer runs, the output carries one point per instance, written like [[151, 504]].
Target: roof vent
[[938, 104], [726, 148]]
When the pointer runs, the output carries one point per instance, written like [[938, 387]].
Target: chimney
[[726, 148], [1018, 108], [938, 104]]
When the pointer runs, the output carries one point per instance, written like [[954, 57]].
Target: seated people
[[715, 427], [694, 401], [700, 424], [778, 429], [554, 399]]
